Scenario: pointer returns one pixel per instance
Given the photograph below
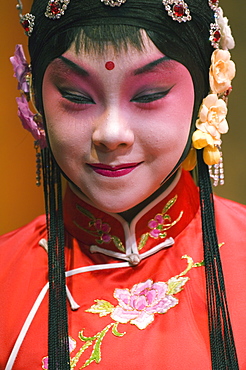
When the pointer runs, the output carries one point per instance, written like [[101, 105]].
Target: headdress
[[187, 32]]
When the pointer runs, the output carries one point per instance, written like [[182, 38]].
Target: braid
[[58, 351], [222, 344]]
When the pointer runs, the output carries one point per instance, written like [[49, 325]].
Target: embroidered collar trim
[[163, 218]]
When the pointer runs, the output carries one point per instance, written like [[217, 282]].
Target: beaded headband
[[177, 9]]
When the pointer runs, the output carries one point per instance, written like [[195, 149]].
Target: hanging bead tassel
[[216, 172], [38, 163]]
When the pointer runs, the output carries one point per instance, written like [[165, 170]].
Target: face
[[117, 123]]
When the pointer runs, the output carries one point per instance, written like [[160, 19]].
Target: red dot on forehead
[[109, 65]]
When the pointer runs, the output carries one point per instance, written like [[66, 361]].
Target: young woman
[[126, 271]]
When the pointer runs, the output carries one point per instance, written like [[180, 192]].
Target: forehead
[[118, 50]]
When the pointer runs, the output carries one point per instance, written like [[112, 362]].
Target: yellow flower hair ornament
[[211, 122]]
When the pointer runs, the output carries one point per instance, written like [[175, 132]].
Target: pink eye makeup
[[150, 97]]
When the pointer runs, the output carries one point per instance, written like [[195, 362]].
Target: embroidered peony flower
[[139, 304], [222, 71], [28, 121], [21, 68], [227, 40], [156, 224], [103, 230], [212, 117]]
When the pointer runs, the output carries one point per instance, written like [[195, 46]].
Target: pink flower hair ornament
[[21, 69], [30, 121]]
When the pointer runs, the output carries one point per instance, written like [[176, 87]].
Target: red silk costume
[[151, 315]]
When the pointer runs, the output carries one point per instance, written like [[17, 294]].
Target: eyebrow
[[74, 66], [150, 66], [147, 68]]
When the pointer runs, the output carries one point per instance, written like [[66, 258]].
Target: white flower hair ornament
[[211, 122]]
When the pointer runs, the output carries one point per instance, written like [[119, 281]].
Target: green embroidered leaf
[[175, 284], [118, 243], [115, 330], [99, 241], [75, 359], [199, 264], [167, 217], [103, 308], [96, 353], [143, 241], [93, 233], [85, 212], [169, 204], [84, 338], [162, 235]]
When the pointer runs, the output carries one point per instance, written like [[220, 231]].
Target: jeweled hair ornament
[[113, 3], [220, 31], [178, 10], [56, 8], [26, 20]]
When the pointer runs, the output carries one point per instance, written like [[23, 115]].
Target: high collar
[[163, 218]]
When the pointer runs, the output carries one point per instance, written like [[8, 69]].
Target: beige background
[[21, 200]]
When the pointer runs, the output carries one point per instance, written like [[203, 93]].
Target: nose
[[112, 131]]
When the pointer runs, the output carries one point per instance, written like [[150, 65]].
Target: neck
[[129, 214], [165, 188]]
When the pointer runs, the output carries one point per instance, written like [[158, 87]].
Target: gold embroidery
[[137, 306], [158, 227]]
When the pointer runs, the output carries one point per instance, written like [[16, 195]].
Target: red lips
[[113, 171]]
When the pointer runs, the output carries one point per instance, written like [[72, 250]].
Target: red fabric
[[177, 339]]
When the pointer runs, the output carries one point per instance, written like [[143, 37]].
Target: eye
[[77, 98], [150, 97]]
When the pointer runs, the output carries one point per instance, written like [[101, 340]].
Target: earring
[[216, 172], [38, 163]]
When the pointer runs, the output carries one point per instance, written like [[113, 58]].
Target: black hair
[[93, 25]]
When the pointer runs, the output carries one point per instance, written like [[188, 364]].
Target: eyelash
[[76, 99], [148, 98], [142, 99]]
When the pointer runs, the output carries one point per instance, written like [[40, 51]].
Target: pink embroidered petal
[[151, 296], [155, 233], [123, 316], [138, 302], [143, 320], [138, 289], [45, 363], [159, 218], [105, 228], [72, 344], [98, 224], [163, 305], [106, 238], [152, 224], [123, 296], [161, 289]]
